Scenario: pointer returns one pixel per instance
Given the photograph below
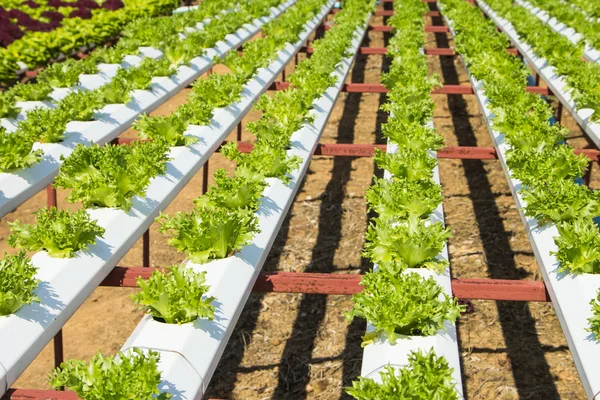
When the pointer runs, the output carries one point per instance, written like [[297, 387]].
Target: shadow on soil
[[529, 367]]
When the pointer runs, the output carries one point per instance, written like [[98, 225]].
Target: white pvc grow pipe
[[66, 283], [570, 293], [112, 120], [380, 353], [555, 83], [198, 346], [590, 53]]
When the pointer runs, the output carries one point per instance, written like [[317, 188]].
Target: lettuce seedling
[[109, 176], [66, 74], [272, 162], [405, 163], [400, 303], [209, 233], [44, 125], [233, 193], [399, 198], [578, 246], [8, 106], [560, 200], [594, 320], [17, 283], [16, 151], [60, 233], [169, 129], [175, 296], [415, 244], [31, 91], [128, 375], [427, 376]]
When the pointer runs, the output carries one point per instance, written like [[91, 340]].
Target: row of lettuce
[[18, 17], [538, 155], [48, 125], [589, 8], [223, 220], [581, 76], [397, 301], [573, 18], [37, 47]]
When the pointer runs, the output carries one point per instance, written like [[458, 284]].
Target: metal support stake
[[537, 79], [205, 178], [283, 74], [51, 201], [587, 177], [146, 249], [559, 111], [239, 132]]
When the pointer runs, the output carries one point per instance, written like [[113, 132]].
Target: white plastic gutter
[[555, 83], [190, 353], [112, 120], [570, 294], [66, 283]]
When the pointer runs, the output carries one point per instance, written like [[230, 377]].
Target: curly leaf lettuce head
[[168, 129], [81, 105], [132, 374], [17, 283], [218, 90], [117, 91], [594, 320], [31, 91], [237, 192], [427, 376], [400, 198], [109, 176], [578, 246], [44, 125], [8, 106], [561, 200], [412, 136], [60, 233], [208, 232], [415, 244], [559, 162], [272, 162], [175, 296], [16, 151], [66, 74], [406, 164], [399, 303]]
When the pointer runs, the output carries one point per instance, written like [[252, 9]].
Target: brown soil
[[291, 346]]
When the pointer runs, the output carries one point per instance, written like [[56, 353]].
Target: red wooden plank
[[349, 150], [480, 289], [468, 153], [317, 283], [372, 50], [364, 88], [428, 28], [437, 51], [592, 154], [466, 89], [28, 394], [500, 289], [367, 150], [436, 29]]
